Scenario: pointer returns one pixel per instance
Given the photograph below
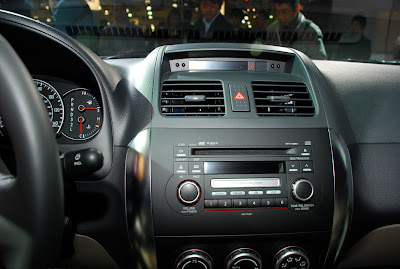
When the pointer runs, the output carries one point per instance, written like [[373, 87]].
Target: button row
[[246, 203], [192, 168], [302, 166], [236, 193]]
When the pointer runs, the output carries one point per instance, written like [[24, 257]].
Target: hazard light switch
[[239, 98]]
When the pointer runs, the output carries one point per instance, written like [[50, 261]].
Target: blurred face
[[285, 14], [209, 9], [356, 27]]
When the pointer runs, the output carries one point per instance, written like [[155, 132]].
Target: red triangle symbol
[[239, 96]]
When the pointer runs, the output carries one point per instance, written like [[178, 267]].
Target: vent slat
[[174, 103], [297, 100]]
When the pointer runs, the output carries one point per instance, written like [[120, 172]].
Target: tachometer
[[84, 115], [53, 103]]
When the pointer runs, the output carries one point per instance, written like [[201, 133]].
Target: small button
[[256, 192], [181, 152], [240, 203], [181, 167], [196, 168], [268, 202], [183, 64], [273, 192], [253, 202], [292, 167], [281, 202], [177, 64], [238, 193], [306, 167], [305, 150], [211, 203], [225, 203], [218, 193]]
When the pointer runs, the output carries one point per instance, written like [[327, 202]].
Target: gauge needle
[[89, 108], [80, 124]]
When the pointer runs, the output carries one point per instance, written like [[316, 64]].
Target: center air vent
[[192, 98], [289, 99]]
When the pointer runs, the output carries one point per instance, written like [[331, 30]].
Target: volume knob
[[243, 258], [189, 192], [302, 190]]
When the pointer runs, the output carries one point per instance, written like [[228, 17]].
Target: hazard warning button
[[239, 98]]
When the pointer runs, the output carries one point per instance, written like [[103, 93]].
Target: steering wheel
[[32, 202]]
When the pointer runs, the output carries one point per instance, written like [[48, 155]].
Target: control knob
[[291, 257], [194, 259], [302, 190], [243, 258], [189, 192]]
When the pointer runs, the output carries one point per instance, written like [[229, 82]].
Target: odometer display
[[53, 103]]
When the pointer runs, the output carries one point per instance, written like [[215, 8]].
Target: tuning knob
[[194, 259], [243, 258], [291, 257], [189, 192], [302, 190]]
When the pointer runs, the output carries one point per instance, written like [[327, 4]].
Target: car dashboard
[[220, 155]]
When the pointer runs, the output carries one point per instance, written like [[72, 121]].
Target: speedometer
[[53, 103]]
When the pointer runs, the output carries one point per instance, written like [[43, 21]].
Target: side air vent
[[192, 98], [288, 99]]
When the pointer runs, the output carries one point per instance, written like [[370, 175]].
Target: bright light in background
[[127, 10], [246, 18], [148, 8], [271, 17], [93, 4], [130, 15], [153, 28], [174, 5], [47, 7], [243, 21], [149, 13], [254, 16], [254, 9], [108, 23], [222, 10], [250, 26], [48, 20], [100, 7], [150, 17], [106, 12], [147, 2], [196, 9], [248, 10]]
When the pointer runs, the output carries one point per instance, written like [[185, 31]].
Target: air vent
[[288, 99], [192, 98]]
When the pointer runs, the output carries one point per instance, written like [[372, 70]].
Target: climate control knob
[[243, 258], [189, 192], [291, 257], [194, 259], [302, 190]]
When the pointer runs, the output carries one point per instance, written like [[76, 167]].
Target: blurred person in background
[[235, 18], [303, 34], [260, 22], [212, 20], [355, 45]]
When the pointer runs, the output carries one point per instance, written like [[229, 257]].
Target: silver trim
[[222, 183]]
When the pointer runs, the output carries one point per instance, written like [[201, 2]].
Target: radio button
[[225, 203], [305, 150], [219, 193], [292, 167], [180, 168], [240, 203], [281, 202], [181, 152], [256, 192], [211, 203], [253, 202], [189, 192], [237, 193], [306, 167], [268, 202], [274, 192], [196, 168]]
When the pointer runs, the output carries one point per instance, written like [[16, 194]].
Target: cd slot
[[281, 151], [214, 168]]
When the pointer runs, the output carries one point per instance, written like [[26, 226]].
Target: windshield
[[356, 30]]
